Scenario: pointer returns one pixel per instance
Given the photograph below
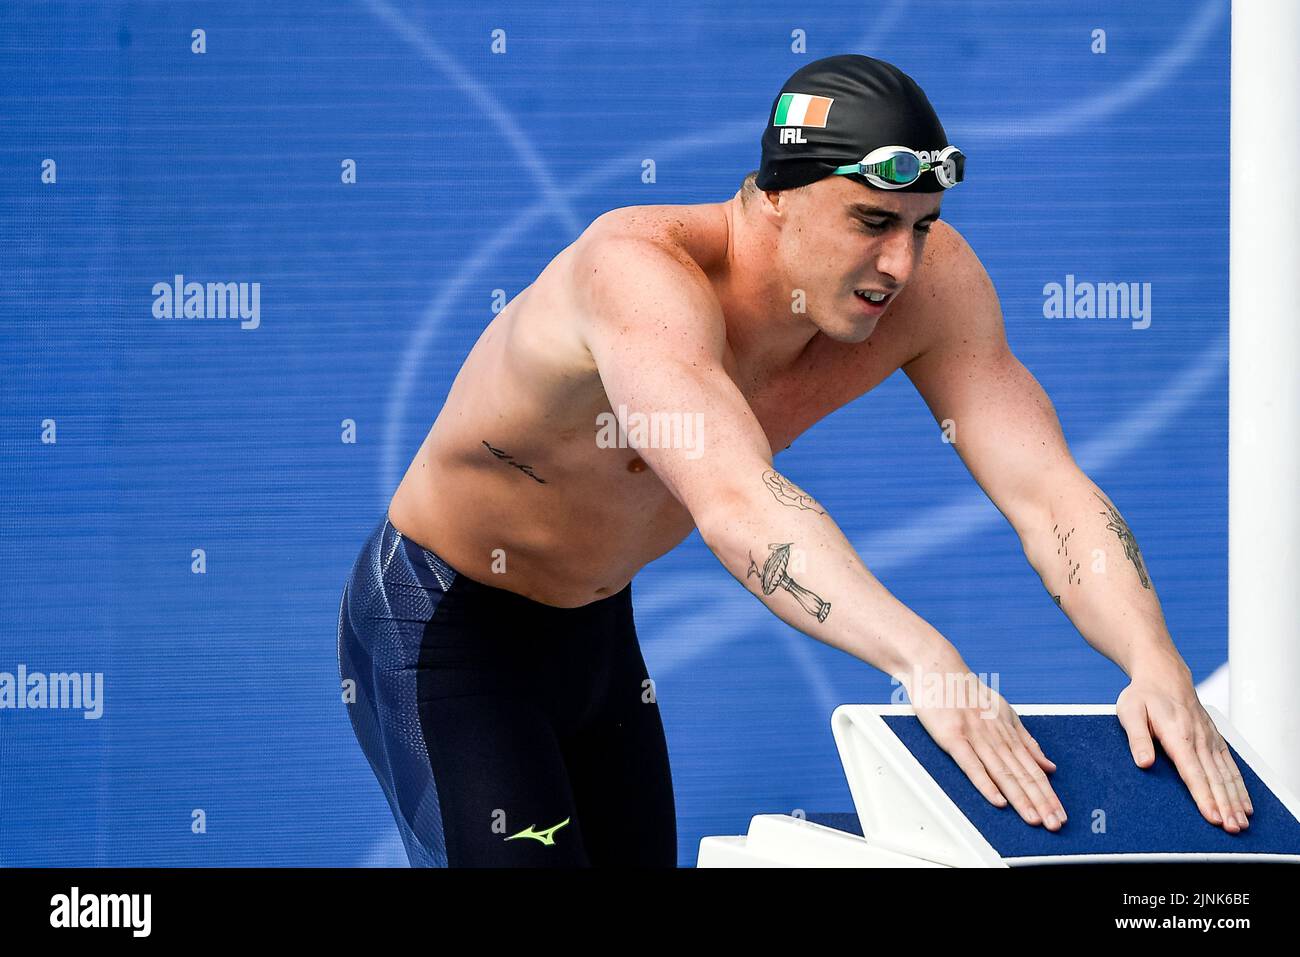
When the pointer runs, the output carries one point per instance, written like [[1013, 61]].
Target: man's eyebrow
[[880, 212]]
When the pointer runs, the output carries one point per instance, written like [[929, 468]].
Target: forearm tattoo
[[1063, 548], [510, 460], [1115, 522], [787, 493], [773, 575]]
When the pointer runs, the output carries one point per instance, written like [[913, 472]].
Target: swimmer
[[636, 391]]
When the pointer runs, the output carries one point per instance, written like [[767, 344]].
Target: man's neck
[[764, 331]]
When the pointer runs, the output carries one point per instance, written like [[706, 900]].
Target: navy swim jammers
[[503, 731]]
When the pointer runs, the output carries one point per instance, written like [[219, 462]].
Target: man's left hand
[[1166, 707]]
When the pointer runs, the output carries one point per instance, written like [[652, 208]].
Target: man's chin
[[853, 330]]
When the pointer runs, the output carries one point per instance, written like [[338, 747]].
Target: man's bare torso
[[512, 488]]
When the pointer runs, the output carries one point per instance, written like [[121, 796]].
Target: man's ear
[[779, 199]]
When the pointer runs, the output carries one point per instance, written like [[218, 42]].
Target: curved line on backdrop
[[1162, 69], [488, 105]]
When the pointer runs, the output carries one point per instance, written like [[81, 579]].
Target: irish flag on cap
[[802, 109]]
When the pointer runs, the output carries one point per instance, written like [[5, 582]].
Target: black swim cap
[[842, 107]]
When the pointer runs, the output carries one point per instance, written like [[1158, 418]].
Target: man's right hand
[[996, 752]]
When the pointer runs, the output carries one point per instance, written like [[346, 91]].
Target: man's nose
[[897, 256]]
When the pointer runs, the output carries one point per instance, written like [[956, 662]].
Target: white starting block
[[1117, 812]]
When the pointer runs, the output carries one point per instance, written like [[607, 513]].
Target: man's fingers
[[970, 763], [1049, 803], [1230, 767], [1178, 745], [1133, 719], [1232, 781], [1034, 781], [1218, 787], [1020, 748], [1008, 781], [1044, 762], [1232, 805]]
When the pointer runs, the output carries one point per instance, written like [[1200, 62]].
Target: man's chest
[[829, 376]]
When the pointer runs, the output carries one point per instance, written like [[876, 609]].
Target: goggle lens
[[900, 168]]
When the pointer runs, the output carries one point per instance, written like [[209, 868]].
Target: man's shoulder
[[695, 235], [950, 295], [947, 265], [633, 281], [635, 250]]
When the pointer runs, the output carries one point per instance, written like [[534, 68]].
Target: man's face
[[841, 240]]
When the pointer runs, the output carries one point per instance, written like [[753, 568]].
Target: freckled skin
[[512, 461]]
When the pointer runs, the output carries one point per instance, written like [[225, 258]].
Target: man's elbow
[[1034, 512], [720, 514], [1029, 515]]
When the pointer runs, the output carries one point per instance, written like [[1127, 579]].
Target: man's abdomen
[[574, 537]]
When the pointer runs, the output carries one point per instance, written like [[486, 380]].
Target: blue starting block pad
[[916, 808]]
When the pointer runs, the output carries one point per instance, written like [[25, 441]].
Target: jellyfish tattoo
[[773, 574]]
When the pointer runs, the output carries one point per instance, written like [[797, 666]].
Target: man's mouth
[[873, 301], [871, 295]]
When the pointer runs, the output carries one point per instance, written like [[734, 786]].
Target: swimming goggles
[[893, 167]]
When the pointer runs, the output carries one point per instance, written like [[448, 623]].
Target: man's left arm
[[1006, 431]]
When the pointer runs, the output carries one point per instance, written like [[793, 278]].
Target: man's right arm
[[656, 333]]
